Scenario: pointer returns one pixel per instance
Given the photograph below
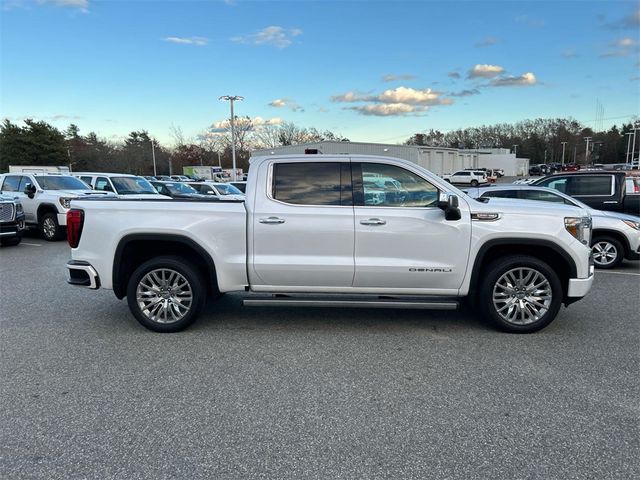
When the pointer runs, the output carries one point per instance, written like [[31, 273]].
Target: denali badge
[[432, 270]]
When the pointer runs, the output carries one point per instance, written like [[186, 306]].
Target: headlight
[[65, 202], [632, 224], [19, 208], [579, 228]]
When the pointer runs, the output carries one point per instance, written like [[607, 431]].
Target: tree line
[[39, 143], [540, 140]]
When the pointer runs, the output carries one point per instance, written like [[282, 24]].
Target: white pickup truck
[[311, 234]]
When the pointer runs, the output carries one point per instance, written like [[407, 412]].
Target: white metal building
[[438, 160], [501, 158]]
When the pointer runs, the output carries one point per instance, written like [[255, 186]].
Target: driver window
[[102, 183], [391, 186]]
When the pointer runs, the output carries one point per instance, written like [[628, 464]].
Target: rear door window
[[102, 183], [317, 183], [588, 185]]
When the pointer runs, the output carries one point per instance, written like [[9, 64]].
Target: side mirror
[[29, 190], [450, 204]]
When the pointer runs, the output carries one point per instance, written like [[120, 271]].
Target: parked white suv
[[467, 177], [45, 198], [122, 184]]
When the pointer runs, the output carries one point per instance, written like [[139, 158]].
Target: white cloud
[[349, 97], [393, 78], [286, 102], [197, 41], [569, 53], [485, 71], [524, 80], [388, 110], [82, 5], [274, 36], [625, 42], [465, 93], [487, 42], [412, 97]]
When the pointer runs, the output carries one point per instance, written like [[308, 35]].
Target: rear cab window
[[11, 183]]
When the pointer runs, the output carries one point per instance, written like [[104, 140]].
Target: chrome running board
[[280, 301]]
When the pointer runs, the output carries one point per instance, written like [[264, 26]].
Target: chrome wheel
[[164, 296], [522, 296], [49, 227], [604, 253]]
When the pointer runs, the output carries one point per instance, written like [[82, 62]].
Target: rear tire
[[474, 183], [607, 252], [50, 229], [166, 294], [520, 294]]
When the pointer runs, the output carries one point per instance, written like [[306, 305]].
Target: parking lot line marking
[[620, 273], [31, 244]]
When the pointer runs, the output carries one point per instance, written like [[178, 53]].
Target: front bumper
[[82, 274], [11, 229], [579, 287]]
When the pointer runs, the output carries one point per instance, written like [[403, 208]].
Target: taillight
[[75, 220]]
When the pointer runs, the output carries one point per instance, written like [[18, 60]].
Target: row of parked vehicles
[[42, 200]]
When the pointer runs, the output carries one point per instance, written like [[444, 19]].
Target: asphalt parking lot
[[86, 392]]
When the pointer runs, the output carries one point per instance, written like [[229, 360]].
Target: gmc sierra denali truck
[[347, 231]]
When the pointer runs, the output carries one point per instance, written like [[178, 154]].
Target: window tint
[[591, 185], [391, 186], [11, 183], [61, 182], [501, 194], [542, 196], [463, 174], [23, 183], [102, 183], [86, 180], [559, 184], [309, 183]]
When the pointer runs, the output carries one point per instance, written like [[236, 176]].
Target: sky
[[372, 71]]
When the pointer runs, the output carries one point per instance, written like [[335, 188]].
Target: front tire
[[607, 252], [166, 294], [51, 230], [474, 183], [520, 294]]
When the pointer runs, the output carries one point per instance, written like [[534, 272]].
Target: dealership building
[[439, 160]]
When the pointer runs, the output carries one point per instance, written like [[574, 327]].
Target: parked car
[[570, 167], [615, 236], [539, 169], [467, 177], [11, 220], [223, 191], [45, 199], [180, 178], [306, 237], [176, 190], [599, 189], [122, 184]]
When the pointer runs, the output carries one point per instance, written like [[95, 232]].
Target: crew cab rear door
[[301, 227], [402, 238]]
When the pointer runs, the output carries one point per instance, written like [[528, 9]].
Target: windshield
[[228, 189], [180, 188], [54, 182], [132, 186]]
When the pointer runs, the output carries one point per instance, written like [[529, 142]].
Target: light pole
[[586, 152], [515, 150], [564, 144], [629, 134], [633, 146], [153, 154], [231, 99]]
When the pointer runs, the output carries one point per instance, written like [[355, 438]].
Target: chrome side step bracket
[[372, 303]]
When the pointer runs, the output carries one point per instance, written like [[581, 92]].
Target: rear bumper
[[82, 274]]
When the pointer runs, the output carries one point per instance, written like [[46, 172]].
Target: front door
[[402, 238], [302, 231]]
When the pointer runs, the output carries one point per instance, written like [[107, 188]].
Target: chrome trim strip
[[278, 302]]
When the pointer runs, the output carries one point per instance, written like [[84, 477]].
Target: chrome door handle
[[610, 201], [271, 220], [373, 221]]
